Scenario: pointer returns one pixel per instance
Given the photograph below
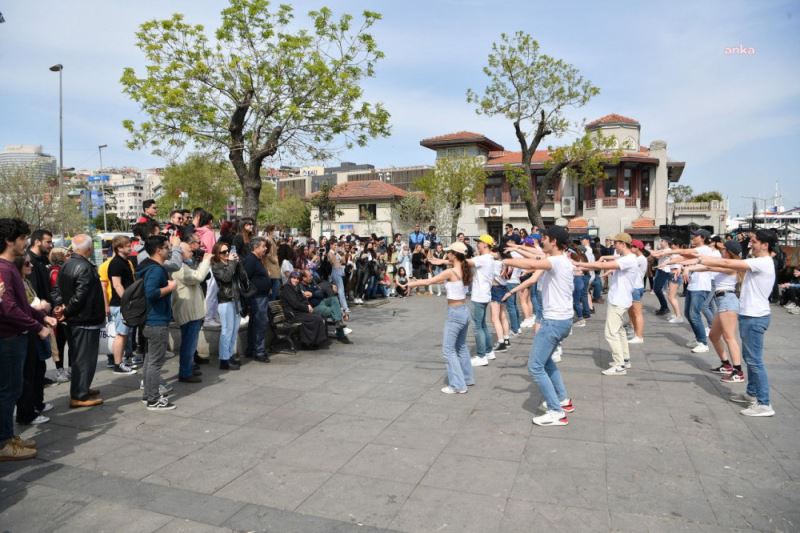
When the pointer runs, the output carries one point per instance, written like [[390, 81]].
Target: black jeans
[[32, 398], [83, 345], [61, 340]]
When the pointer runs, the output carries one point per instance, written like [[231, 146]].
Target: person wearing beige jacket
[[188, 310], [272, 264]]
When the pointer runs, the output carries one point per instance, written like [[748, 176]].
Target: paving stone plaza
[[359, 438]]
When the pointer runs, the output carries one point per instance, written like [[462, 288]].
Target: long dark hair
[[466, 271]]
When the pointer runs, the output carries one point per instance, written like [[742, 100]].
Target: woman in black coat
[[314, 332]]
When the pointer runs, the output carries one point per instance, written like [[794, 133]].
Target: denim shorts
[[727, 302], [678, 281], [498, 291], [119, 325], [637, 294]]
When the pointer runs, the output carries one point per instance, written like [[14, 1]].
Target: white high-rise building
[[30, 159]]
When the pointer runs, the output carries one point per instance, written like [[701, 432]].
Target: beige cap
[[458, 247], [622, 237]]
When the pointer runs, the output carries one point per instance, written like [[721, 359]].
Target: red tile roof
[[372, 189], [460, 137], [613, 118], [578, 223]]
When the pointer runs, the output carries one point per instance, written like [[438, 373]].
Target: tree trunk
[[534, 213], [454, 223], [251, 188]]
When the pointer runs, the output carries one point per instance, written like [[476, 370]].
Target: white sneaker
[[347, 331], [636, 340], [790, 305], [516, 333], [580, 323], [479, 361], [61, 376], [756, 409], [692, 344], [47, 407], [527, 323], [676, 320], [212, 322], [627, 363], [490, 356], [41, 419], [566, 406], [450, 390], [551, 418], [700, 348], [743, 398], [557, 354], [614, 371]]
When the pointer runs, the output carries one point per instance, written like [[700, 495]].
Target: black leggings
[[61, 341]]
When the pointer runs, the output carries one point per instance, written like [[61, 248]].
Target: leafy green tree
[[707, 197], [532, 90], [113, 222], [681, 193], [207, 183], [452, 183], [414, 209], [289, 212], [261, 88], [22, 195]]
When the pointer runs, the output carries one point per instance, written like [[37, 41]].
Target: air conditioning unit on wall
[[568, 205], [490, 212]]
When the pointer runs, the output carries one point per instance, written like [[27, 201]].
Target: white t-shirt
[[589, 255], [515, 272], [482, 281], [556, 285], [757, 286], [641, 264], [662, 262], [497, 273], [621, 283], [701, 281], [724, 282]]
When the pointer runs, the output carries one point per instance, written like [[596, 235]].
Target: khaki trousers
[[615, 334]]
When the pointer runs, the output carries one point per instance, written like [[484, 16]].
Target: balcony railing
[[630, 202], [518, 205], [695, 207], [589, 204], [610, 202]]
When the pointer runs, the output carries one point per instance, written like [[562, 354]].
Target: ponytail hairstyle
[[466, 271]]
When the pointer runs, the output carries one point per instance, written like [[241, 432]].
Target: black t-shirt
[[119, 268]]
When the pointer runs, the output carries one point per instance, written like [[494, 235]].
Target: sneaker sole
[[553, 424], [755, 415]]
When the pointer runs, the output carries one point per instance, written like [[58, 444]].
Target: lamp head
[[57, 68]]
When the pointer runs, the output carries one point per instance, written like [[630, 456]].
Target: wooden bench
[[281, 328]]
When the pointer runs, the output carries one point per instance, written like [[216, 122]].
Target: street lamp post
[[59, 68], [100, 151]]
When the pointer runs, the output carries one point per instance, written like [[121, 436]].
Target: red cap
[[638, 244]]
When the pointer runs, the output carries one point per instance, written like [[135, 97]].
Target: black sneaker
[[662, 312], [507, 342], [724, 368], [499, 347], [162, 404], [123, 369]]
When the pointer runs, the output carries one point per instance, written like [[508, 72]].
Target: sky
[[733, 118]]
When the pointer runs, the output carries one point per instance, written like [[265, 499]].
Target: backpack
[[133, 304]]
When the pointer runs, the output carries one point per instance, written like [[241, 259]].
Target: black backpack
[[133, 304]]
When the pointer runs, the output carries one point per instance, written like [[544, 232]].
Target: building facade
[[632, 198], [363, 208], [29, 159]]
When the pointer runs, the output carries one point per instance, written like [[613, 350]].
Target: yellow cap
[[486, 239]]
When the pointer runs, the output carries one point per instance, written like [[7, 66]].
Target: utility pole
[[59, 68], [100, 151]]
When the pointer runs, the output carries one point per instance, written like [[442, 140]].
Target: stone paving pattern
[[359, 438]]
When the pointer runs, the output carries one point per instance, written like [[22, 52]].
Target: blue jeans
[[190, 333], [578, 286], [13, 351], [660, 282], [337, 276], [693, 309], [536, 300], [454, 348], [511, 308], [752, 331], [587, 313], [483, 339], [597, 287], [540, 362], [229, 319], [257, 327], [275, 289]]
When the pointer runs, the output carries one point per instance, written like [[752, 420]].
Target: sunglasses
[[224, 252]]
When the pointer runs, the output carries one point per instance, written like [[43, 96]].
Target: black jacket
[[40, 278], [257, 274], [81, 293], [227, 277], [293, 301]]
